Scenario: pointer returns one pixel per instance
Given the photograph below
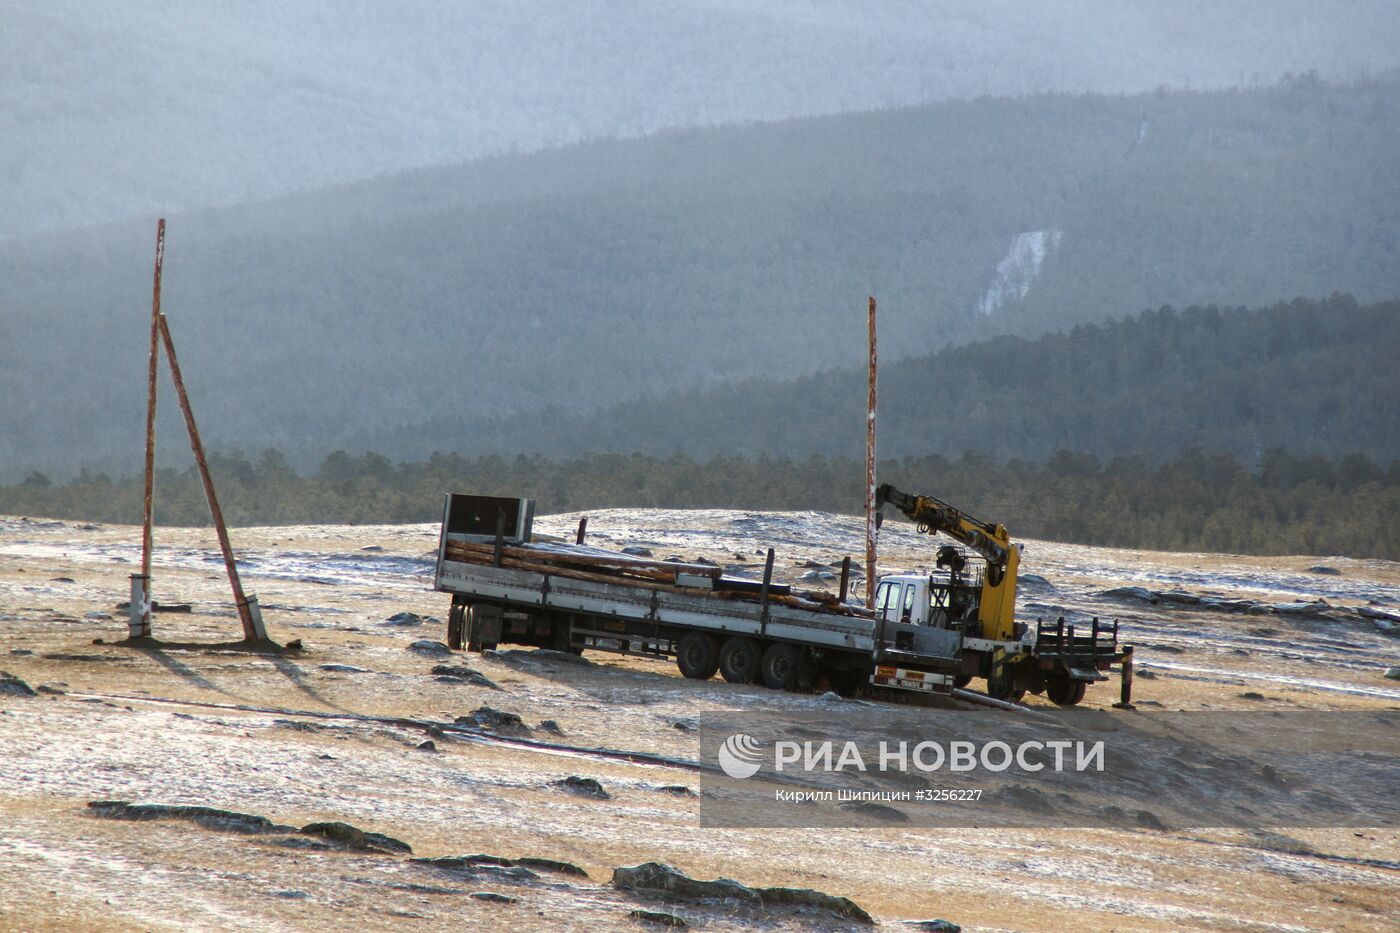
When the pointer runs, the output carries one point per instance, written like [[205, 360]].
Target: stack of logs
[[600, 566]]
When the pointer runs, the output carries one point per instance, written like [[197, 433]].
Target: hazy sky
[[151, 106]]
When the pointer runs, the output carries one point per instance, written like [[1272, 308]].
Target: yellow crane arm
[[997, 609]]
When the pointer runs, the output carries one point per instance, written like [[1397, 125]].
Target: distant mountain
[[1310, 377], [147, 106], [584, 277]]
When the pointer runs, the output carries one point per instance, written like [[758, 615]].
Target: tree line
[[1281, 504]]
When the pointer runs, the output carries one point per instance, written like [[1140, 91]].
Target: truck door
[[888, 601]]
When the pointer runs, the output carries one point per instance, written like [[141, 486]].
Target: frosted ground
[[332, 733]]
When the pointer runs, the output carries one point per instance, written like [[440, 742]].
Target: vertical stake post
[[763, 593], [870, 572], [140, 612], [1125, 694], [845, 578], [582, 528], [249, 615]]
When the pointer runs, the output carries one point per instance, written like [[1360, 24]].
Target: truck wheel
[[1065, 692], [738, 660], [456, 623], [779, 667], [1003, 688], [697, 656]]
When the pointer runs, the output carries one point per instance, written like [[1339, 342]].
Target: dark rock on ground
[[1148, 820], [1134, 593], [676, 790], [551, 865], [495, 720], [1325, 570], [684, 725], [541, 656], [585, 787], [636, 551], [493, 897], [13, 686], [465, 674], [207, 817], [354, 838], [428, 746], [343, 669], [482, 867], [877, 811], [1034, 581], [21, 652], [403, 619], [1393, 673], [301, 842], [659, 918], [1251, 695], [934, 926], [435, 649], [549, 725], [56, 689], [659, 879], [62, 580], [1145, 674], [371, 547]]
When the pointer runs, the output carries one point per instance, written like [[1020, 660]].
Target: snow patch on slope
[[1019, 269]]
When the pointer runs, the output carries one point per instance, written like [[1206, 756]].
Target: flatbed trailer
[[508, 589]]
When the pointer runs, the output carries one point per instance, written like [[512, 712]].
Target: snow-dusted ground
[[329, 734]]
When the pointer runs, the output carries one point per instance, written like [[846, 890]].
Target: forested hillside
[[1312, 377], [121, 109], [1288, 505], [584, 277]]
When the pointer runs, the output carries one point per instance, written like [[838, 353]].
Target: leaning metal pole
[[870, 472], [139, 611], [248, 611]]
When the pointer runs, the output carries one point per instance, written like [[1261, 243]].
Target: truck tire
[[1004, 688], [739, 660], [456, 625], [778, 669], [697, 655], [1065, 692]]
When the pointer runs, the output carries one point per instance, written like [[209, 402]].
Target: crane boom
[[997, 607]]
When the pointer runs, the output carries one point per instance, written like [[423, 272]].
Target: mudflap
[[484, 624]]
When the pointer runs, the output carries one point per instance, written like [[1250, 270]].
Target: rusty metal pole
[[582, 529], [248, 613], [139, 612], [870, 556]]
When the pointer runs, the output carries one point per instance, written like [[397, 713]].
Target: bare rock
[[433, 649], [659, 879], [12, 686], [427, 746], [934, 926], [493, 898], [551, 865], [637, 551], [1325, 570], [354, 838], [494, 720], [659, 918], [206, 817], [549, 725], [676, 790], [482, 867], [583, 786], [1393, 673], [343, 669], [403, 619], [462, 673]]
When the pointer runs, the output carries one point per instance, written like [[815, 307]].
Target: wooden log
[[623, 562]]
